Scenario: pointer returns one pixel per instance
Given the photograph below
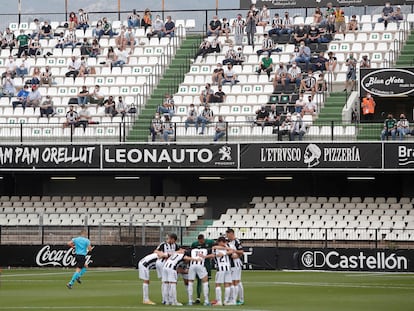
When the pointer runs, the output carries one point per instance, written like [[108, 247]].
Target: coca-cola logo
[[58, 257]]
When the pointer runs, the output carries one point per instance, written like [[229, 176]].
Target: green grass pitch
[[120, 289]]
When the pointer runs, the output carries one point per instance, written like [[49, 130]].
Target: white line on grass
[[60, 273], [141, 307], [336, 285]]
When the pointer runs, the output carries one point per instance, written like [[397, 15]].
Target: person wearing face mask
[[340, 25], [96, 96], [238, 28], [156, 28], [264, 17], [299, 104], [206, 94], [230, 56], [267, 45], [390, 128], [314, 35], [365, 62], [304, 54], [214, 27], [368, 107], [300, 34], [276, 25], [351, 73], [293, 75], [229, 75], [191, 116], [287, 25], [403, 126], [155, 126], [266, 65], [387, 14], [280, 76], [250, 27]]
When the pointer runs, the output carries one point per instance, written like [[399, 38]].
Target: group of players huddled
[[170, 261]]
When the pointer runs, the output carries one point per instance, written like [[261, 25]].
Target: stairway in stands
[[169, 83], [406, 59], [195, 229], [332, 109]]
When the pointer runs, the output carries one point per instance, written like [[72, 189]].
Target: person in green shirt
[[390, 128], [23, 41], [202, 242], [266, 65]]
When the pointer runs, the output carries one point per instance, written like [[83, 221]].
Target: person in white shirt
[[238, 29], [73, 66], [96, 96], [310, 106], [298, 128], [198, 269], [403, 126], [191, 116], [144, 266], [293, 75], [122, 58], [157, 27], [229, 75]]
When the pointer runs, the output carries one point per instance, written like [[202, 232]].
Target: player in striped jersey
[[144, 266], [164, 250], [221, 253], [236, 267], [197, 268], [169, 275]]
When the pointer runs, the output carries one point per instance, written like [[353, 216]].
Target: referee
[[208, 244], [82, 246]]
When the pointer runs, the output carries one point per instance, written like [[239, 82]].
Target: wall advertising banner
[[387, 82], [399, 156], [284, 4], [311, 156], [170, 156]]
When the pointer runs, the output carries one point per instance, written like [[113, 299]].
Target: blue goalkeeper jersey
[[81, 245]]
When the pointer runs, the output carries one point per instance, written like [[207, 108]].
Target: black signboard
[[399, 155], [49, 157], [169, 156], [311, 156], [284, 4], [387, 82]]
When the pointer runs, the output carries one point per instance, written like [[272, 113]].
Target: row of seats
[[332, 199]]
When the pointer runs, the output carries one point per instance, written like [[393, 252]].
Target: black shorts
[[80, 261]]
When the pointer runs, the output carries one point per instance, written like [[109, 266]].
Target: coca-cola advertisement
[[48, 256]]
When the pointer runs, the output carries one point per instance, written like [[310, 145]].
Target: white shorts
[[197, 270], [144, 272], [169, 275], [236, 273], [159, 265], [223, 277]]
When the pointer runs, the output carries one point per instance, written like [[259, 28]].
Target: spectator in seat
[[84, 117], [299, 104], [130, 40], [219, 96], [23, 69], [225, 30], [317, 16], [387, 14], [106, 29], [215, 46], [310, 107], [206, 94], [167, 128], [266, 65], [47, 108], [169, 28], [46, 31], [218, 74], [97, 30], [73, 67], [8, 86], [298, 128], [319, 63], [203, 49], [134, 20], [110, 109], [314, 35], [85, 47], [293, 75], [240, 58], [330, 26], [238, 26], [206, 116], [267, 45], [262, 116], [167, 106], [121, 40], [146, 19], [156, 28], [191, 116], [95, 49], [230, 56], [285, 127], [84, 69], [365, 62], [11, 68], [351, 73], [96, 96], [321, 84], [368, 107], [327, 15], [35, 76], [264, 17], [83, 96], [287, 26], [398, 15], [36, 31], [23, 43], [220, 129], [156, 126], [250, 27], [403, 127], [390, 128], [9, 40], [121, 107], [46, 77], [83, 20], [121, 59], [214, 27], [73, 21], [308, 83], [340, 25], [34, 48], [71, 117], [280, 76], [229, 75], [21, 97], [353, 24], [277, 23], [331, 63], [304, 54], [34, 98], [300, 34]]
